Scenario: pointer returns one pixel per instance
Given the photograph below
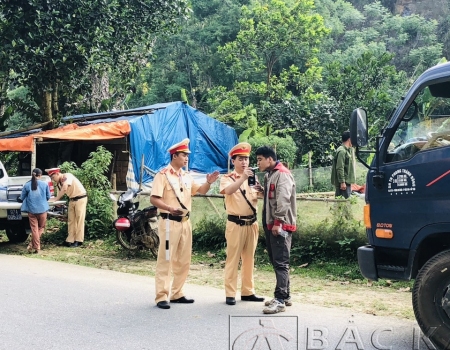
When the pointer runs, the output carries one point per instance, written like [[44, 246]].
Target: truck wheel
[[431, 299], [17, 234]]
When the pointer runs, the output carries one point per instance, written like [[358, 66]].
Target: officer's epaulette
[[229, 175], [164, 170]]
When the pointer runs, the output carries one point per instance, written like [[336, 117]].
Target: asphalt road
[[51, 305]]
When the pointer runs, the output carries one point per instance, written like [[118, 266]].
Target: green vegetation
[[290, 68], [286, 73], [332, 235], [99, 209], [234, 62], [67, 51]]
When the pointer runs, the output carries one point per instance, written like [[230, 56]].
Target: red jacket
[[280, 198]]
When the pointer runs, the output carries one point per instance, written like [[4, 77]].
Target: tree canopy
[[56, 48], [284, 68]]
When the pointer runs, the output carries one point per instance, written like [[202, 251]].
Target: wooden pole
[[33, 155], [354, 164], [141, 173], [114, 187], [112, 169], [310, 170]]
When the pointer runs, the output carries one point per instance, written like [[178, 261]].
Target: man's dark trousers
[[279, 249]]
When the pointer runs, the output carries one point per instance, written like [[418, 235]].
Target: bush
[[99, 211], [328, 240], [210, 233], [335, 239]]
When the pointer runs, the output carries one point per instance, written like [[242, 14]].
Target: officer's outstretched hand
[[212, 177]]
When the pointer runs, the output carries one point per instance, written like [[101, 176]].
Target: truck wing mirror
[[358, 128]]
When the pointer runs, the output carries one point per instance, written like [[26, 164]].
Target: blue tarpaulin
[[153, 134]]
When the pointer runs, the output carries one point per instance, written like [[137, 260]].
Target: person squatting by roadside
[[34, 198], [172, 193], [279, 221], [242, 229], [342, 171], [76, 212]]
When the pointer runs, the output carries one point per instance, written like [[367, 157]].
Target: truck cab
[[407, 211]]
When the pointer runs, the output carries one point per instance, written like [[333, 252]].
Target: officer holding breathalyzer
[[241, 192], [252, 178]]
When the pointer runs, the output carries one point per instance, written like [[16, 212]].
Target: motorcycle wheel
[[124, 241]]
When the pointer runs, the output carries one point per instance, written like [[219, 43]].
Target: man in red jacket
[[279, 222]]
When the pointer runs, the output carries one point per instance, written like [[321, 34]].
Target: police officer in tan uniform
[[172, 193], [76, 213], [242, 230]]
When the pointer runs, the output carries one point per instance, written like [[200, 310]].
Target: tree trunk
[[270, 65], [55, 106], [99, 91], [46, 107], [3, 99]]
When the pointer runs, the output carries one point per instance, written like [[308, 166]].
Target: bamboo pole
[[321, 199], [311, 194], [32, 127], [298, 197], [213, 205]]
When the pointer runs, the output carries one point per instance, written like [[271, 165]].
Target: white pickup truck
[[12, 220]]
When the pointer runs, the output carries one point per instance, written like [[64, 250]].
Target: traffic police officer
[[172, 193], [76, 213], [242, 230]]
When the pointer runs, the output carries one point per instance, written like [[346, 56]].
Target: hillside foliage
[[284, 68]]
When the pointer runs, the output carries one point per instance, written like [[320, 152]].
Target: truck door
[[415, 160]]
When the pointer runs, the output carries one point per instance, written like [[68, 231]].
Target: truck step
[[391, 268]]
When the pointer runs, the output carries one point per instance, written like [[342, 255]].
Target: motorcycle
[[59, 212], [136, 229]]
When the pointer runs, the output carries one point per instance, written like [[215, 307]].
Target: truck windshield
[[425, 125]]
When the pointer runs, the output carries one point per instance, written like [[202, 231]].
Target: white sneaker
[[274, 307], [287, 302]]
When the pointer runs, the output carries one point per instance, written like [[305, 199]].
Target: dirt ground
[[369, 298]]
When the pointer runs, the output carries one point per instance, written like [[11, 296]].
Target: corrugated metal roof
[[116, 114], [103, 117]]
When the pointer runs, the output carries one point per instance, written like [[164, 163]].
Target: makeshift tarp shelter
[[152, 134], [72, 132], [151, 130]]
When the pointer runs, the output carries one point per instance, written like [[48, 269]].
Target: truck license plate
[[13, 214]]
